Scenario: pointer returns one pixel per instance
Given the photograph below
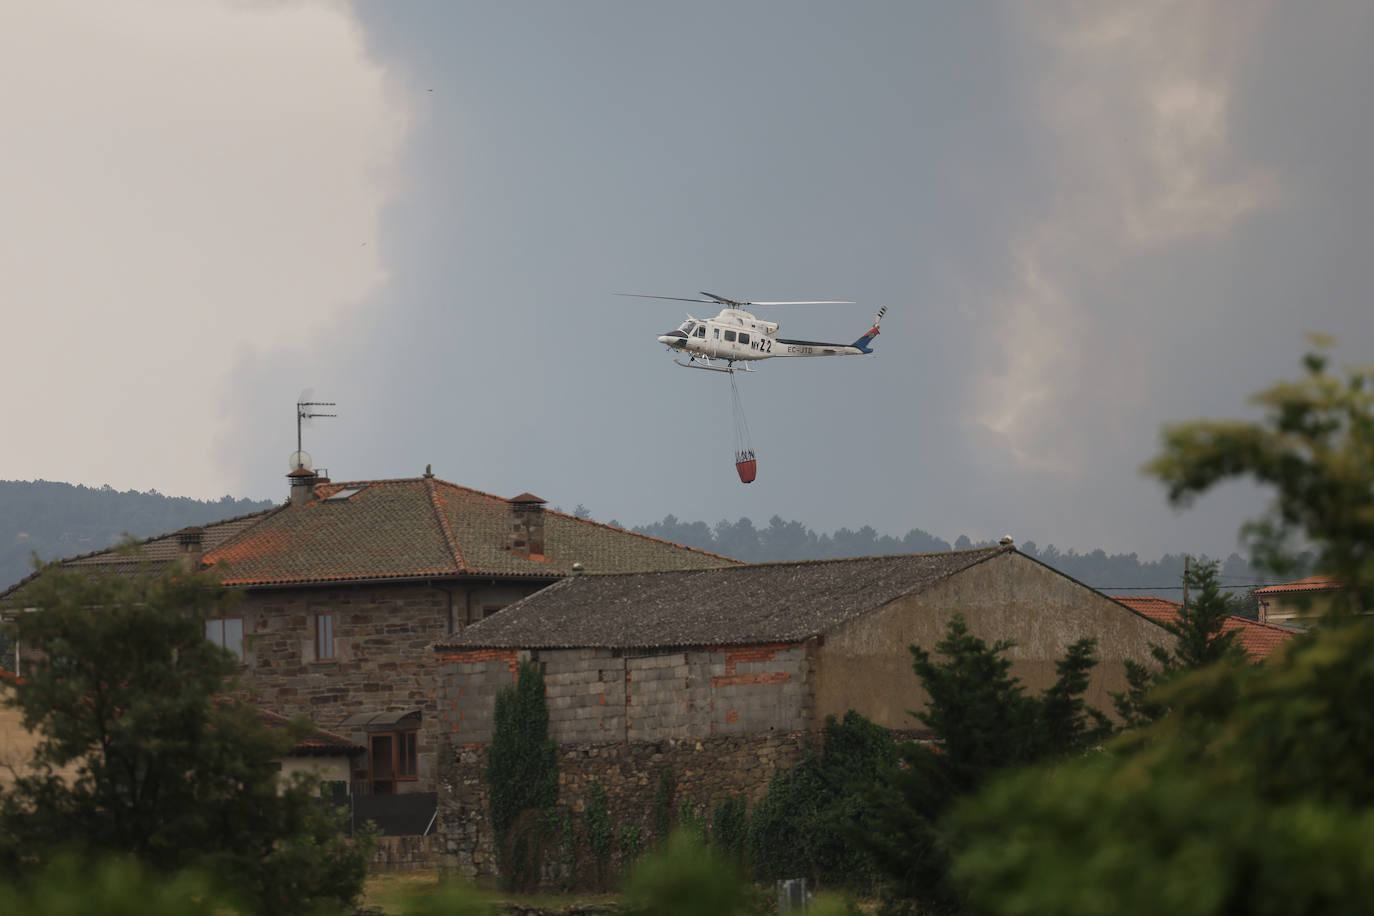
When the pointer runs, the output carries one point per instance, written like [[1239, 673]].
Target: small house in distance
[[1298, 603], [718, 677]]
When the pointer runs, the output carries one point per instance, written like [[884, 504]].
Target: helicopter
[[735, 335]]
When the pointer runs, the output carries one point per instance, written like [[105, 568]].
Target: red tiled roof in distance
[[1257, 639], [1309, 584]]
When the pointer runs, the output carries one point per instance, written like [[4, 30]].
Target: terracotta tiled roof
[[1310, 584], [1257, 639], [317, 742], [766, 602], [412, 528], [422, 527]]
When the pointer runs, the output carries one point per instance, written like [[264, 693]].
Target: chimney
[[190, 548], [303, 482], [526, 526]]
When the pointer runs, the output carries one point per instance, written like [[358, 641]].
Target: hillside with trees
[[781, 541], [55, 520]]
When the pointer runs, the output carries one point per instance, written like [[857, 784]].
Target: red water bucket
[[747, 467]]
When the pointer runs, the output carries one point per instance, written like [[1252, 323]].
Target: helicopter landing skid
[[706, 364]]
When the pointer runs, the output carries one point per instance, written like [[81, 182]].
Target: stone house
[[717, 677], [345, 588], [1258, 639]]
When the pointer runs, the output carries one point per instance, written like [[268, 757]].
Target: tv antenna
[[306, 411]]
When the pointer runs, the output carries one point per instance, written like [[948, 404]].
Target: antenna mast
[[305, 411]]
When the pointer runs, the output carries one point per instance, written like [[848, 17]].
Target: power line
[[1153, 588]]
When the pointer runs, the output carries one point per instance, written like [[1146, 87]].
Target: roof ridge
[[1314, 582], [1250, 621], [816, 561], [265, 513], [395, 481], [647, 537], [449, 538]]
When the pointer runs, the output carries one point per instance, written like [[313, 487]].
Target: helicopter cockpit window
[[686, 326], [700, 331]]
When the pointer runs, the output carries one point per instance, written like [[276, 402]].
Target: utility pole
[[1187, 568]]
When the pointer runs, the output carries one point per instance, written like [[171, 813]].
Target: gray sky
[[1085, 220]]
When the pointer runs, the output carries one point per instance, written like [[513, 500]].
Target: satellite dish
[[300, 460]]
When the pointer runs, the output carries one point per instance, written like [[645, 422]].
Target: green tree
[[124, 687], [522, 775], [803, 827], [1200, 641], [985, 724], [1251, 795], [1314, 449]]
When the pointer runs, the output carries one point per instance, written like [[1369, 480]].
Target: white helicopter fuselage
[[737, 336]]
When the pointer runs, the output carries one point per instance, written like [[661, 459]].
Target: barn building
[[717, 677]]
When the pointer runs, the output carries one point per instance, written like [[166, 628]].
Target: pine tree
[[522, 774], [1200, 640], [984, 724]]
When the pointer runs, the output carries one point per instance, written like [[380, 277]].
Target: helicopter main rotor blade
[[736, 303], [671, 298], [739, 303]]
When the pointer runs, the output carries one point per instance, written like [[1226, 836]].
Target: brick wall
[[602, 695]]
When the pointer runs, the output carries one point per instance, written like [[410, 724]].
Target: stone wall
[[382, 658], [604, 695], [405, 853], [703, 772]]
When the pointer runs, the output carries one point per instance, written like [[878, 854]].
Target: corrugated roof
[[1309, 584], [768, 602], [412, 528], [1257, 639]]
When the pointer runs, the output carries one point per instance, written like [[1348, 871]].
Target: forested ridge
[[55, 520], [780, 540]]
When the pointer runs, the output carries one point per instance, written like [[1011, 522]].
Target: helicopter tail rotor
[[863, 342]]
